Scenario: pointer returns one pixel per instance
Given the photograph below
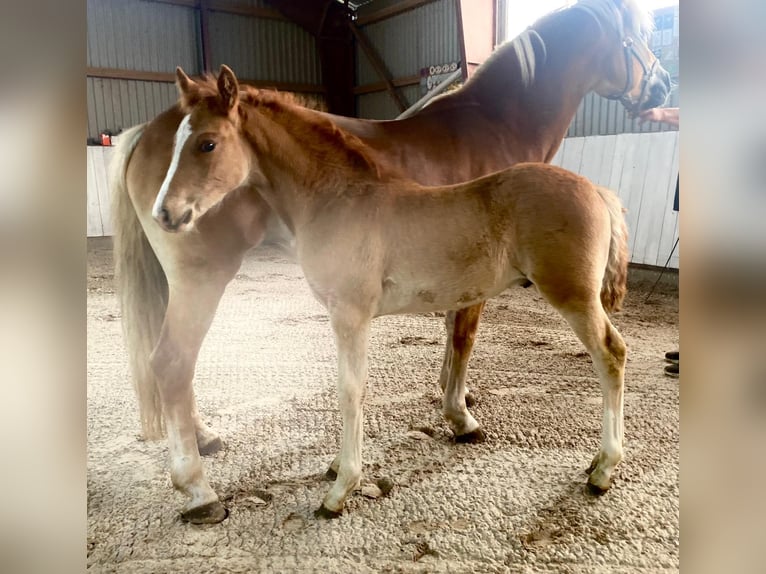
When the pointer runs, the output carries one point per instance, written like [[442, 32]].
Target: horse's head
[[210, 157], [628, 69]]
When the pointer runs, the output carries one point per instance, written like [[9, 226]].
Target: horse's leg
[[449, 323], [208, 441], [351, 329], [468, 320], [463, 425], [607, 349], [191, 308]]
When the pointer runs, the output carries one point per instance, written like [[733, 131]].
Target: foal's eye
[[207, 146]]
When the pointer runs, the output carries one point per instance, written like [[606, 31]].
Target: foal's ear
[[228, 88], [188, 89]]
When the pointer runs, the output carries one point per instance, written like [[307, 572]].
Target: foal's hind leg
[[608, 351], [466, 321], [463, 425], [191, 307]]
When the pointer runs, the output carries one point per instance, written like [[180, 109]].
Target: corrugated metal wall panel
[[119, 104], [599, 116], [412, 40], [380, 106], [140, 35], [264, 49]]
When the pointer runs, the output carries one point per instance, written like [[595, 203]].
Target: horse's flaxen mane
[[637, 20], [522, 47]]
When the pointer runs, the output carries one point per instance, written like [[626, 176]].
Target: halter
[[629, 50]]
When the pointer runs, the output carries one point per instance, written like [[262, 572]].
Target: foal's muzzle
[[173, 223]]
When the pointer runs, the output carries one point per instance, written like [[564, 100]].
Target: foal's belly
[[426, 295]]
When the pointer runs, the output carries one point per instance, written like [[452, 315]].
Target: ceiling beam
[[327, 21], [378, 64], [390, 11], [380, 86], [477, 21], [169, 78]]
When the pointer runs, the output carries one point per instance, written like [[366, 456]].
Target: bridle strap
[[630, 52]]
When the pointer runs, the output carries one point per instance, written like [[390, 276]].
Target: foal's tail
[[615, 283], [141, 286]]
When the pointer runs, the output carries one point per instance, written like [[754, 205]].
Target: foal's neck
[[304, 160]]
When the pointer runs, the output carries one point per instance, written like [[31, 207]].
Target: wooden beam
[[477, 28], [169, 78], [380, 86], [204, 21], [378, 64], [228, 7], [391, 11], [184, 3]]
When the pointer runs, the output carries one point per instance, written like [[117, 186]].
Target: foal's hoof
[[211, 447], [473, 437], [324, 513], [470, 400], [210, 513], [330, 474], [595, 489]]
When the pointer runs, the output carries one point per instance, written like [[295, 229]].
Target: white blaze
[[183, 133]]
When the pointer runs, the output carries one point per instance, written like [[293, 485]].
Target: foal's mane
[[317, 132], [312, 128], [636, 20]]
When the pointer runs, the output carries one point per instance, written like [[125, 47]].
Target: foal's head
[[628, 69], [210, 158]]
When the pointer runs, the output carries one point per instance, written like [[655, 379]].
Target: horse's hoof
[[210, 513], [386, 485], [473, 437], [330, 474], [324, 513], [211, 447], [470, 400], [595, 489]]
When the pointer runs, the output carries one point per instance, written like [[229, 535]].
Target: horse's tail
[[141, 286], [615, 284]]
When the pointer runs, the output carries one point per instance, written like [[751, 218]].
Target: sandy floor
[[266, 381]]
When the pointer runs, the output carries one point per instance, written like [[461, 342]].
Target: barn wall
[[260, 49], [643, 169], [140, 35], [419, 38], [155, 37]]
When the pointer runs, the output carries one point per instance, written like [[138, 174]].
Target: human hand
[[652, 115]]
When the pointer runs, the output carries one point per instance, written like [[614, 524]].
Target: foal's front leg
[[352, 330], [191, 307]]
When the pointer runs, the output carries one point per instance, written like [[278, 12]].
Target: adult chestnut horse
[[517, 107], [366, 241]]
